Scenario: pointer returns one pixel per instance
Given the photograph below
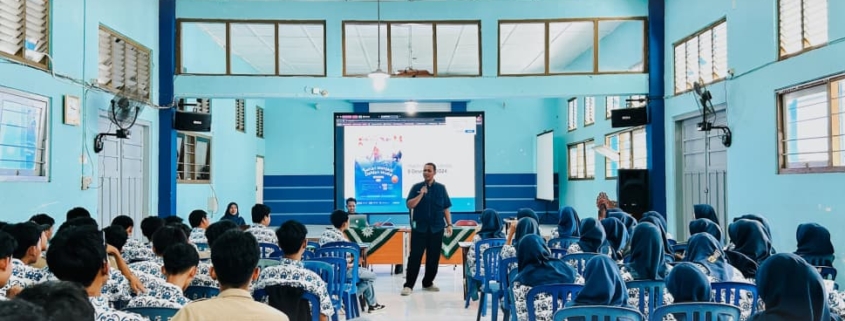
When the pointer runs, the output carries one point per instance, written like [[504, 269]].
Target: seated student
[[647, 261], [180, 267], [814, 245], [233, 214], [61, 300], [617, 236], [20, 310], [366, 278], [118, 285], [791, 290], [46, 222], [215, 230], [173, 219], [78, 254], [491, 227], [162, 239], [128, 224], [525, 226], [199, 222], [569, 224], [260, 223], [29, 237], [143, 251], [603, 284], [291, 272], [234, 257], [7, 248], [687, 284], [537, 267], [77, 212], [593, 239]]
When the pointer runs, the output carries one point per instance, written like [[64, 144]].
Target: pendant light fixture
[[378, 76]]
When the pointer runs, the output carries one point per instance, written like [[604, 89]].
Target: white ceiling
[[521, 47]]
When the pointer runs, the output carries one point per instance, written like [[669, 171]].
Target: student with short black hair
[[128, 224], [366, 278], [7, 248], [77, 212], [180, 268], [173, 219], [235, 263], [351, 204], [29, 238], [260, 223], [79, 221], [143, 251], [215, 230], [291, 271], [20, 310], [115, 236], [60, 300], [162, 239], [46, 222], [78, 254], [199, 222]]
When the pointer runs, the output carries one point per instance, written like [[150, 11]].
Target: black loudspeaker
[[632, 191], [629, 117], [192, 122]]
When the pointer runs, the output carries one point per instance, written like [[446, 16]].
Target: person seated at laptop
[[366, 278]]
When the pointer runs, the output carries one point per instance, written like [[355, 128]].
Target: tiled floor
[[445, 305]]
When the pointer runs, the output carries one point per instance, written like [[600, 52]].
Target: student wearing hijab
[[617, 237], [687, 284], [705, 211], [603, 284], [593, 239], [750, 239], [703, 225], [232, 214], [814, 244], [536, 267], [656, 220], [763, 221], [527, 212], [707, 254], [525, 226], [569, 224], [647, 261], [491, 227], [800, 296], [629, 221]]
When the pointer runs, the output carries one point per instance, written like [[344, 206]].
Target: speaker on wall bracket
[[629, 117], [632, 191]]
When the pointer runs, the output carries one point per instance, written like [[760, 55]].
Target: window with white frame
[[23, 135], [25, 31], [612, 103], [240, 115], [636, 101], [811, 127], [802, 25], [259, 122], [702, 57], [589, 110], [582, 160], [632, 148], [124, 65], [193, 153], [195, 105], [572, 121]]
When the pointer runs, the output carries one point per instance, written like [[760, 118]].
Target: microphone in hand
[[424, 190]]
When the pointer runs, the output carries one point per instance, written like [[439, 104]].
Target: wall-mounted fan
[[123, 113], [705, 99]]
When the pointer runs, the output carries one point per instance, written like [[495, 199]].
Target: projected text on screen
[[379, 157]]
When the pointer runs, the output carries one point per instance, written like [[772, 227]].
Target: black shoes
[[374, 308]]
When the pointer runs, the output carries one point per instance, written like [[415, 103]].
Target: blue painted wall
[[753, 183], [74, 43]]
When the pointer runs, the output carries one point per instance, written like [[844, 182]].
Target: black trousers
[[423, 242]]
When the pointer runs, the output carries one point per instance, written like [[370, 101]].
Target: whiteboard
[[545, 166]]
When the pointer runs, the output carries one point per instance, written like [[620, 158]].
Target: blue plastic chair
[[270, 251], [307, 255], [649, 290], [509, 293], [827, 272], [350, 291], [195, 292], [579, 260], [260, 295], [561, 294], [312, 246], [490, 284], [333, 271], [730, 293], [599, 313], [698, 311], [562, 242], [558, 253], [154, 314], [475, 274], [505, 268]]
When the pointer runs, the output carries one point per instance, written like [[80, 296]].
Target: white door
[[259, 180], [123, 181], [694, 174]]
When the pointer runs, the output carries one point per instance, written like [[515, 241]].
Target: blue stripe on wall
[[309, 199], [459, 106], [361, 107]]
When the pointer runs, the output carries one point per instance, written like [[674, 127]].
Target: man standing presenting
[[430, 205]]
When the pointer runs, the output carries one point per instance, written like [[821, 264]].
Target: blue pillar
[[167, 136], [459, 106], [361, 107], [656, 130]]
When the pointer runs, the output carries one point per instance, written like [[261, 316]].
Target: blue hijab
[[527, 212], [791, 290], [569, 224], [654, 220], [688, 284], [814, 244], [749, 238], [491, 225], [616, 235], [603, 284], [593, 238], [233, 217], [647, 257], [703, 225], [762, 220], [536, 265], [703, 249], [525, 226], [629, 221], [705, 211]]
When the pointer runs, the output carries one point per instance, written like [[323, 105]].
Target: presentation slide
[[379, 157], [545, 166]]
